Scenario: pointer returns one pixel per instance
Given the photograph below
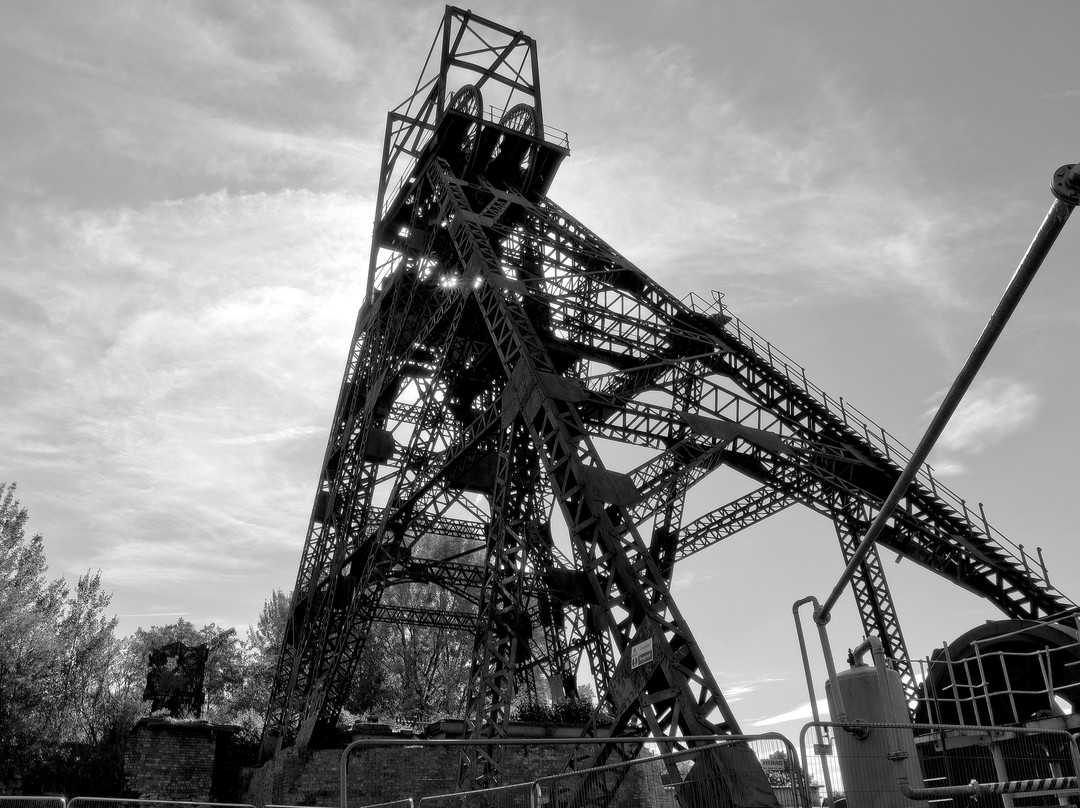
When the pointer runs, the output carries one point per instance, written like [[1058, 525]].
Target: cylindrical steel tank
[[873, 758]]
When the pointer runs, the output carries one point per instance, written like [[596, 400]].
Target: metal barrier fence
[[120, 802], [709, 771], [716, 774], [31, 802], [520, 795], [943, 765]]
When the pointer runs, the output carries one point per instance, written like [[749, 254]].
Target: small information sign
[[641, 654]]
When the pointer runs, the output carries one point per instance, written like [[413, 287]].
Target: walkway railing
[[877, 436]]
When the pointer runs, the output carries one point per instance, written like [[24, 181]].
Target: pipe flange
[[858, 729], [1066, 184]]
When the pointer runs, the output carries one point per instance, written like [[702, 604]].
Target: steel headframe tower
[[501, 346]]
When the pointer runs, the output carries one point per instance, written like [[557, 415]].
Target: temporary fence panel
[[16, 801], [520, 795], [117, 802], [748, 771], [721, 773], [996, 767]]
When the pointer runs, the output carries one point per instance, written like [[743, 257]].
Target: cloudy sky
[[188, 189]]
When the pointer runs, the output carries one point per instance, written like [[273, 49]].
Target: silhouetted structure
[[174, 681], [502, 350]]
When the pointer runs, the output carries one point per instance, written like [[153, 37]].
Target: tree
[[29, 607], [70, 691], [260, 654], [88, 652], [59, 711], [223, 676], [780, 770], [425, 670]]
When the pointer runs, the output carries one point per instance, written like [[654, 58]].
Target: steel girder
[[760, 397]]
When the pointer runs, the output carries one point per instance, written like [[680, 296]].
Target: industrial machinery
[[501, 346]]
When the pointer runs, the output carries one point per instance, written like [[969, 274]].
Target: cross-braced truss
[[501, 344]]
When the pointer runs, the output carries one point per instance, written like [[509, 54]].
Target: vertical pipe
[[830, 668]]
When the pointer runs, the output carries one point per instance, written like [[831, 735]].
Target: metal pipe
[[1021, 279], [806, 660], [1047, 785], [820, 746]]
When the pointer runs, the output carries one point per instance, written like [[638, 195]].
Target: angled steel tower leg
[[873, 599], [502, 347]]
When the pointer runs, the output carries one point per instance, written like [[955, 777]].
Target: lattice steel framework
[[500, 343]]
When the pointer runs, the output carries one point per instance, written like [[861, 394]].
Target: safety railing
[[980, 689], [877, 436], [491, 114], [495, 114], [707, 770], [943, 764]]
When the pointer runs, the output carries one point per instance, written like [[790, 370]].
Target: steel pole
[[1066, 189]]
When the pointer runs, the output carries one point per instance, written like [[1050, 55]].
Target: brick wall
[[376, 775], [169, 761]]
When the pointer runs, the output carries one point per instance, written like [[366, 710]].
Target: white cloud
[[1058, 96], [175, 375], [993, 410], [764, 206], [800, 713], [170, 352], [277, 435]]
